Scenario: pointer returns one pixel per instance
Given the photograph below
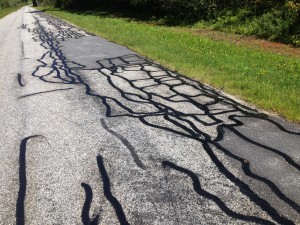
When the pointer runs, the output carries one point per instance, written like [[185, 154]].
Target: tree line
[[10, 3], [272, 19], [187, 10]]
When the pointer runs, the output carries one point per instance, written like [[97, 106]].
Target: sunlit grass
[[269, 80], [9, 10]]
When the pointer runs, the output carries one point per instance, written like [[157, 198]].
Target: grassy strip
[[4, 12], [271, 81]]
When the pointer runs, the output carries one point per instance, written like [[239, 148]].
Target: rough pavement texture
[[93, 133]]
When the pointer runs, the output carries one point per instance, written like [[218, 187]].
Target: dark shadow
[[217, 111], [86, 220], [129, 15], [38, 11], [108, 194], [99, 13]]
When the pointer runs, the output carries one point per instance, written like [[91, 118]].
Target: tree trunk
[[35, 3]]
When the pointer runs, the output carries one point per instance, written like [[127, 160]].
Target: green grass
[[5, 11], [268, 80]]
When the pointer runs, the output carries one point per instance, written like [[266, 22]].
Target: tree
[[35, 3]]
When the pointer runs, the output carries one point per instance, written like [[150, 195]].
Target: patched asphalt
[[94, 133]]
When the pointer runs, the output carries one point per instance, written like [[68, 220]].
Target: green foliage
[[7, 10], [272, 25], [10, 3], [277, 20], [277, 24], [185, 11]]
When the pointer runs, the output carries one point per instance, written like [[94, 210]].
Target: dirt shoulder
[[248, 41]]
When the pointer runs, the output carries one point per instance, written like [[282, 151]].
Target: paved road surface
[[93, 133]]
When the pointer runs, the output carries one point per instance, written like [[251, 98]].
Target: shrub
[[8, 3], [273, 19], [279, 24], [271, 25]]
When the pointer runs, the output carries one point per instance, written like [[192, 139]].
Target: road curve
[[93, 133]]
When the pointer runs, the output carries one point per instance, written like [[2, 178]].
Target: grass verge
[[268, 80], [4, 12]]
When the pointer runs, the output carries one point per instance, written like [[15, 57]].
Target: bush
[[184, 11], [271, 25], [8, 3], [273, 19], [279, 24]]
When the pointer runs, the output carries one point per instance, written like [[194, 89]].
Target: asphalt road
[[93, 133]]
